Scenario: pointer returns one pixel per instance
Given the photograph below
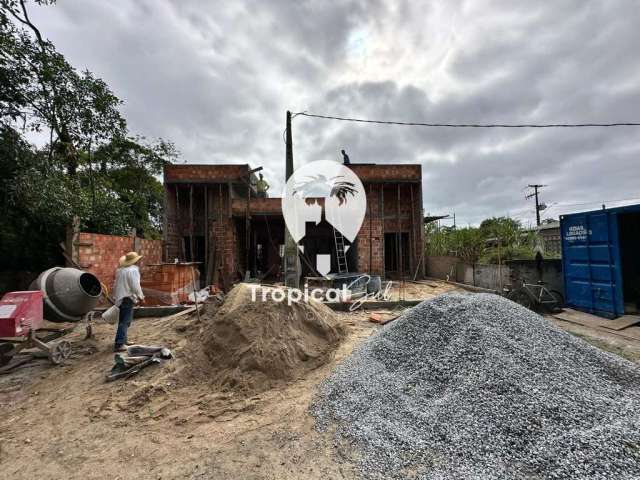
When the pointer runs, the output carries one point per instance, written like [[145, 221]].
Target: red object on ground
[[20, 312]]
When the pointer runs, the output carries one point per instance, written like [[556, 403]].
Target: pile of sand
[[253, 345]]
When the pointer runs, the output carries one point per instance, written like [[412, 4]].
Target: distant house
[[549, 234]]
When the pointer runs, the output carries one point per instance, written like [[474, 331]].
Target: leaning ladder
[[340, 252]]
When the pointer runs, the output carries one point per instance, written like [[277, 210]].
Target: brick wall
[[388, 173], [226, 242], [99, 254], [376, 223], [204, 173], [271, 205], [168, 284], [222, 228]]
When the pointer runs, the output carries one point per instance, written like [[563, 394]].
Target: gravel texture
[[474, 386]]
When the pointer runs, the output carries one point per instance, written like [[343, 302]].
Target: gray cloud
[[217, 78]]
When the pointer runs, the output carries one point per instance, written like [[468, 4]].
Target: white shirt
[[127, 284]]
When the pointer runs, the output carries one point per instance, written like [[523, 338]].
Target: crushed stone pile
[[250, 346], [473, 386]]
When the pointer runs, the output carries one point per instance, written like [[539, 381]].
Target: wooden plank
[[182, 313], [596, 323], [621, 323], [590, 320], [579, 318]]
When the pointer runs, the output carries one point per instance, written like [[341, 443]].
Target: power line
[[473, 125], [595, 201]]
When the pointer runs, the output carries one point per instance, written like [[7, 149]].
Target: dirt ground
[[66, 422]]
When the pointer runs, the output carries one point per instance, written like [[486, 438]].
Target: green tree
[[45, 91], [496, 240], [91, 167], [506, 239]]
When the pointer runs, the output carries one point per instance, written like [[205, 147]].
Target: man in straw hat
[[127, 292]]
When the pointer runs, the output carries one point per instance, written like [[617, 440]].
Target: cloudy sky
[[217, 77]]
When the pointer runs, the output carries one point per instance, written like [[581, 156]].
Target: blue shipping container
[[601, 260]]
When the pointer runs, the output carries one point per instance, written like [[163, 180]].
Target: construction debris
[[475, 386], [137, 358]]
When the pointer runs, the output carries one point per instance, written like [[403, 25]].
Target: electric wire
[[470, 125]]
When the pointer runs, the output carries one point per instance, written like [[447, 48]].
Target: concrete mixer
[[68, 293], [58, 295]]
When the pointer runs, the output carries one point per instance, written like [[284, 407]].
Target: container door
[[590, 263]]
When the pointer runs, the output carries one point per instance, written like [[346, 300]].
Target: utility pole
[[291, 259], [539, 207]]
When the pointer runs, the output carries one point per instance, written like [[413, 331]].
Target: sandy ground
[[66, 422]]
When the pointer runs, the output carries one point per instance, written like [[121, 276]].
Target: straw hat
[[129, 259]]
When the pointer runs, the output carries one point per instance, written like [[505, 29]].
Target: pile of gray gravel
[[474, 386]]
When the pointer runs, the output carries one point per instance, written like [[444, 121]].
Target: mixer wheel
[[59, 352]]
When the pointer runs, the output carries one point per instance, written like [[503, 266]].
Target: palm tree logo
[[314, 190], [327, 192]]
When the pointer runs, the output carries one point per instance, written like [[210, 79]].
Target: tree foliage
[[90, 166], [496, 240]]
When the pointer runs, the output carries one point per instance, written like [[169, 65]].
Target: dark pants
[[124, 321], [261, 194]]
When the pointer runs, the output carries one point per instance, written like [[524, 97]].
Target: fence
[[493, 276]]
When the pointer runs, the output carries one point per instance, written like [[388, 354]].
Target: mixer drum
[[68, 293]]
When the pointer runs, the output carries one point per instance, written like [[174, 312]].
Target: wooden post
[[412, 241], [191, 249], [71, 242], [165, 223], [206, 235], [291, 258], [384, 257], [420, 268], [370, 229], [181, 247], [399, 243], [247, 227]]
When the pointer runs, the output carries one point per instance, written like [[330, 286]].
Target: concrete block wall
[[491, 276], [441, 266], [99, 254]]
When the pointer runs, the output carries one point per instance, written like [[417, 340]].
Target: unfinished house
[[212, 217]]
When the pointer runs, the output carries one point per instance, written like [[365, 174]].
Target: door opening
[[392, 253], [629, 231]]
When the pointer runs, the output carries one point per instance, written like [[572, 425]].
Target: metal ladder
[[340, 252]]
